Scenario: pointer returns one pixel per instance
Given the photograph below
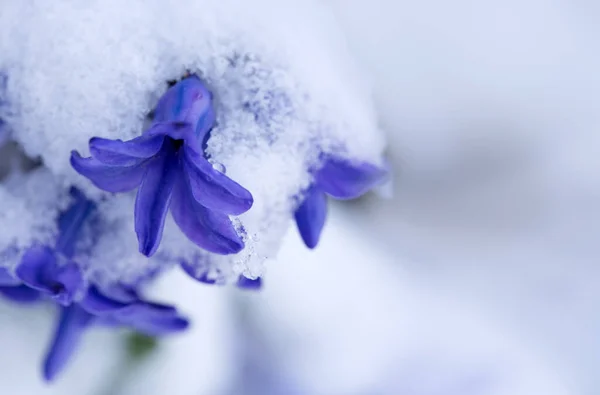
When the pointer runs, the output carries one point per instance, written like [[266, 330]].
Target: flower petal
[[98, 304], [345, 180], [174, 130], [36, 263], [126, 153], [152, 318], [66, 281], [310, 216], [152, 201], [73, 321], [71, 221], [7, 279], [188, 101], [213, 189], [39, 270], [106, 177], [208, 229], [201, 277], [20, 294]]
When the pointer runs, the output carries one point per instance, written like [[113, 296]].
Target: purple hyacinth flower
[[121, 308], [168, 166], [339, 179], [52, 272]]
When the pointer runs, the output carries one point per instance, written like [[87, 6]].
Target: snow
[[98, 70]]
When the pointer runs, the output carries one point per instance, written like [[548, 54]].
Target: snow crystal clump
[[29, 207]]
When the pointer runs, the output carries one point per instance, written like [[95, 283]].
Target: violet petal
[[345, 180], [66, 281], [201, 277], [97, 303], [152, 318], [7, 279], [20, 293], [125, 153], [208, 229], [73, 321], [36, 263], [71, 221], [213, 189], [310, 216], [152, 201], [106, 177]]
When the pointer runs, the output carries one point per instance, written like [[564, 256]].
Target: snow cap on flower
[[275, 99]]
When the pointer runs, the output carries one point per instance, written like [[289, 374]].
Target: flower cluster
[[50, 272], [169, 167], [112, 178]]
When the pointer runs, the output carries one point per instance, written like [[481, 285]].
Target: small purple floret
[[339, 179], [168, 166], [52, 273]]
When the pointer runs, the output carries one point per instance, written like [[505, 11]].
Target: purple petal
[[73, 321], [36, 263], [201, 277], [152, 201], [66, 281], [20, 294], [106, 177], [188, 101], [213, 189], [126, 153], [208, 229], [7, 279], [345, 180], [98, 304], [249, 284], [39, 270], [310, 216], [152, 318], [71, 221], [173, 130]]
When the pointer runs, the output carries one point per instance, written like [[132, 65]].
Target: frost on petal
[[213, 189], [153, 198], [208, 229], [125, 153], [311, 215], [106, 177], [344, 179]]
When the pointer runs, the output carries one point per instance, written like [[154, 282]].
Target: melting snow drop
[[219, 167], [249, 128]]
